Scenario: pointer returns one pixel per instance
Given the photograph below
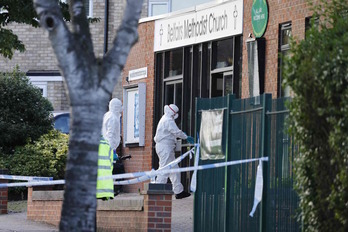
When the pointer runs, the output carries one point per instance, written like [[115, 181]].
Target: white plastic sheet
[[258, 188]]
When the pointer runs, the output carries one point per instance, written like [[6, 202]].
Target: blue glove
[[115, 155], [190, 140]]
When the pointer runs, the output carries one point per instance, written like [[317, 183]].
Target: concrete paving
[[17, 222], [182, 214], [182, 219]]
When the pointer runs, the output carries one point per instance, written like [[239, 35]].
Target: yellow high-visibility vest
[[105, 188]]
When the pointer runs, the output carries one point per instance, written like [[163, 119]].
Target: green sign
[[259, 17]]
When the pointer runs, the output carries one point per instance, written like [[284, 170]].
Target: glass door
[[173, 95]]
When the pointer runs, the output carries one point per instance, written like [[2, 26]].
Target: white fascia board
[[45, 78]]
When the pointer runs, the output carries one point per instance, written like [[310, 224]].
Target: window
[[132, 115], [284, 47], [42, 86], [173, 95], [179, 5], [222, 54], [158, 7], [134, 101], [198, 70], [41, 80], [88, 7], [309, 22], [221, 84], [173, 63]]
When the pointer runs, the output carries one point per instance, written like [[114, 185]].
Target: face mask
[[176, 116]]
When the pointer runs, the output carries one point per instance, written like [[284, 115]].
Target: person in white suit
[[166, 134]]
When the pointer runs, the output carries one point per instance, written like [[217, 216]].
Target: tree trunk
[[89, 82]]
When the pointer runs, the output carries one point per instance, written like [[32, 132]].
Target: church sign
[[199, 25]]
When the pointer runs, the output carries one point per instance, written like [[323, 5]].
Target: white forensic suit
[[166, 134], [111, 123]]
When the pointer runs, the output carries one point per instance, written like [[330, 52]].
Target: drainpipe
[[106, 22]]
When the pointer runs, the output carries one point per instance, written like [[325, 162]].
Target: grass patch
[[17, 206]]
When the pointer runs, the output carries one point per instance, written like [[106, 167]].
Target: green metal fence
[[252, 128]]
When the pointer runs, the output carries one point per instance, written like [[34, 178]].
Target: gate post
[[266, 106], [158, 206]]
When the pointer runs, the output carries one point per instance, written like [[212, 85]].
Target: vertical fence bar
[[265, 105]]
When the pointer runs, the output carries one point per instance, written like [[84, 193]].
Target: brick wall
[[44, 210], [279, 11], [159, 208], [150, 211], [57, 96], [142, 55], [121, 221], [3, 193], [3, 198], [39, 54]]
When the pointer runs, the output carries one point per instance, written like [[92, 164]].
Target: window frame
[[283, 48], [308, 23], [42, 86], [42, 82], [159, 2], [129, 139]]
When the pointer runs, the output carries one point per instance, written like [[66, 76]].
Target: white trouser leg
[[166, 155]]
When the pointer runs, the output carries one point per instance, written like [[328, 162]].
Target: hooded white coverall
[[111, 123], [165, 138]]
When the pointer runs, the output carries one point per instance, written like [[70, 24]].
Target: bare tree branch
[[127, 36], [80, 26]]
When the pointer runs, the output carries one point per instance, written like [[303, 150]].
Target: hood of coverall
[[115, 106], [171, 110]]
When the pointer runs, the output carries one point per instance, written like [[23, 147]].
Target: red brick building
[[178, 58], [192, 63]]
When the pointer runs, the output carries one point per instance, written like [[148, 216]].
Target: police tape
[[34, 183], [140, 175], [25, 178], [44, 182], [187, 169], [168, 166]]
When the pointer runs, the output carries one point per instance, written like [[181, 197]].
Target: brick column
[[3, 194], [30, 203], [158, 207]]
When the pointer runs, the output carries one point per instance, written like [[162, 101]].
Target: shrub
[[317, 74], [24, 112], [45, 157]]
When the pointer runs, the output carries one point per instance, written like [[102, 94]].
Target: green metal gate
[[252, 128]]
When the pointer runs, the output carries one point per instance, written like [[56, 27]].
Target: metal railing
[[225, 196]]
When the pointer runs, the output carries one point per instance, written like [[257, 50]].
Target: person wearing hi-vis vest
[[107, 147]]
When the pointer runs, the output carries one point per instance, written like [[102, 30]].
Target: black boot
[[182, 195]]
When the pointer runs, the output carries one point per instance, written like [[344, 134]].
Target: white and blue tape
[[25, 178], [137, 176]]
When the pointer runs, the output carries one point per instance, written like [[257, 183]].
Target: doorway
[[173, 95]]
